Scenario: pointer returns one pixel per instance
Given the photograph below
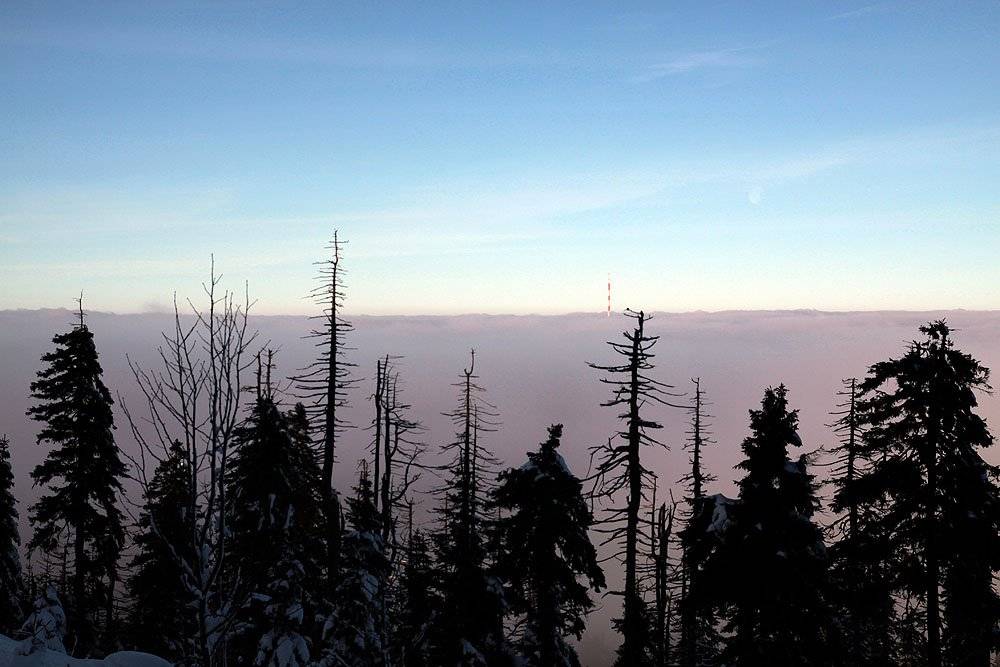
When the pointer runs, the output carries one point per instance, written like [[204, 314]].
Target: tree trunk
[[632, 649]]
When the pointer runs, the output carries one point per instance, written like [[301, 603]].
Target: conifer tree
[[547, 558], [45, 627], [418, 603], [860, 559], [620, 468], [277, 525], [469, 631], [159, 620], [283, 644], [11, 583], [356, 634], [769, 571], [942, 498], [82, 474]]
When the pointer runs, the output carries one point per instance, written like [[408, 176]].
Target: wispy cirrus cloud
[[737, 57], [866, 10]]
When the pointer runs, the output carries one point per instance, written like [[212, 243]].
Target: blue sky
[[502, 157]]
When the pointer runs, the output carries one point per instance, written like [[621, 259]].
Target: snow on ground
[[47, 658]]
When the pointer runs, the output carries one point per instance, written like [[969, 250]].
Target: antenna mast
[[609, 295]]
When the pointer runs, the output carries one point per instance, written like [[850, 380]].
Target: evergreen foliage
[[283, 644], [277, 526], [11, 582], [82, 475], [768, 573], [469, 631], [419, 604], [355, 635], [942, 503], [546, 553], [45, 627], [243, 557], [159, 620]]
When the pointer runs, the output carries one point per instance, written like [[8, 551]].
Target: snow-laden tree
[[417, 601], [355, 633], [159, 617], [11, 583], [276, 514], [45, 627], [283, 644], [82, 475], [768, 573], [547, 558]]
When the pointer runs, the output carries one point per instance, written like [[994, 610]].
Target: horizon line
[[596, 313]]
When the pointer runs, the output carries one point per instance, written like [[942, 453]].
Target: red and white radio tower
[[609, 295]]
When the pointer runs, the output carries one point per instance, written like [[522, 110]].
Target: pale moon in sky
[[755, 195]]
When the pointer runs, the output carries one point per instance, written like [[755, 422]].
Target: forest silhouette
[[243, 550]]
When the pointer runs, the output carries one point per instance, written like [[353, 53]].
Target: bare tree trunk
[[632, 616], [202, 368]]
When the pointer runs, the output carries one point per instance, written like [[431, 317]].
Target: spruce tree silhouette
[[943, 502], [859, 557], [547, 559], [769, 571], [469, 630], [419, 603], [276, 522], [11, 582], [82, 473], [159, 615]]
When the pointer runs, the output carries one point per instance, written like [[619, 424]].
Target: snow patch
[[44, 657]]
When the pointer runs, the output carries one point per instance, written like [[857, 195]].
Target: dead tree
[[619, 468], [662, 520], [195, 398], [324, 385], [691, 608], [395, 451]]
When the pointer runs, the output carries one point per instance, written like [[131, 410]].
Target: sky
[[503, 157]]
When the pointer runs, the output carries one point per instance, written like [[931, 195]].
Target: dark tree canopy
[[160, 610], [942, 504], [277, 520], [547, 558], [768, 572], [81, 474], [11, 583]]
